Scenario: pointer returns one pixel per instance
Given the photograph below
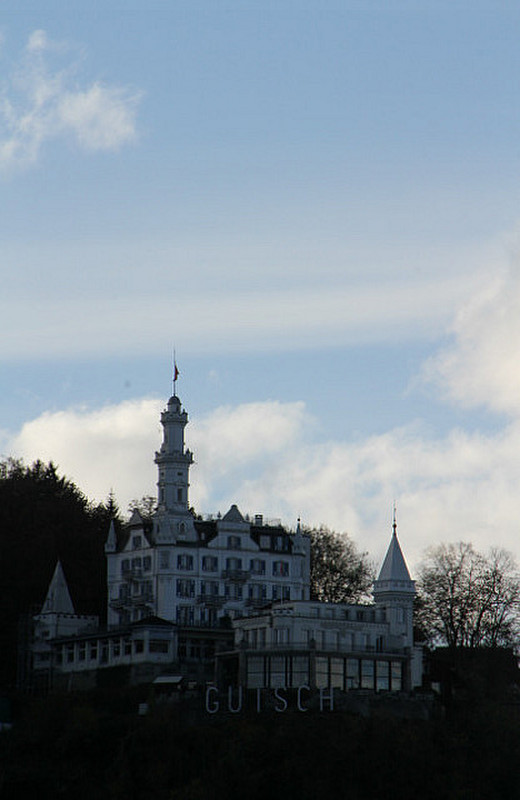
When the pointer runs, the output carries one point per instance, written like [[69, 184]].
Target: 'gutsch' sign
[[233, 700]]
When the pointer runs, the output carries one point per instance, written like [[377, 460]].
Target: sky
[[317, 205]]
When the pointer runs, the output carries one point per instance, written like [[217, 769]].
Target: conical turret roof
[[58, 600], [394, 566]]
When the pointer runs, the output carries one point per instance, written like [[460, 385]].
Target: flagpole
[[175, 374]]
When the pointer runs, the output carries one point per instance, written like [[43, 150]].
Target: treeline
[[45, 517], [97, 745]]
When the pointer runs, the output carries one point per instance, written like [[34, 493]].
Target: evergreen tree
[[45, 517]]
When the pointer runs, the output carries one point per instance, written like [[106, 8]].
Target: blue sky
[[317, 204]]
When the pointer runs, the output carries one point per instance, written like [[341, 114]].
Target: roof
[[394, 566], [58, 600], [233, 515]]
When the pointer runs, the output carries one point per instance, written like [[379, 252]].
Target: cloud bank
[[41, 101], [267, 458]]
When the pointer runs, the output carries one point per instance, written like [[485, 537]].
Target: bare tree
[[339, 572], [147, 506], [466, 599]]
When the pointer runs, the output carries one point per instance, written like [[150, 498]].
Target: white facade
[[336, 645], [193, 571], [171, 583]]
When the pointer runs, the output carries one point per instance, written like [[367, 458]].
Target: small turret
[[394, 591], [58, 600], [111, 542]]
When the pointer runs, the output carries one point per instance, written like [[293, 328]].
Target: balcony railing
[[210, 599], [257, 602], [236, 575], [342, 649]]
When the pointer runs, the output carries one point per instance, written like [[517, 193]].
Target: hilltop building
[[226, 597], [339, 645]]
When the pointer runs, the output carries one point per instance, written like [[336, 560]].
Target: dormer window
[[136, 542], [234, 543]]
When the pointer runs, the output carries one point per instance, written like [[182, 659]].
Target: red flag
[[175, 372]]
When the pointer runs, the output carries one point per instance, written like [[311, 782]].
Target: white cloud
[[481, 366], [41, 101], [100, 450], [266, 457]]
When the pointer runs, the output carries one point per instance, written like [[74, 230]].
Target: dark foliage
[[45, 517]]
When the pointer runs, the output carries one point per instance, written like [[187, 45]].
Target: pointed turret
[[394, 591], [58, 600], [298, 541], [111, 542]]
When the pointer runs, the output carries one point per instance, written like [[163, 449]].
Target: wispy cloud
[[42, 100]]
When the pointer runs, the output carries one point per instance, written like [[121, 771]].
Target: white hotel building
[[188, 595]]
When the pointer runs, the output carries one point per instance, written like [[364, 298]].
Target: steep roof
[[58, 600], [233, 515], [394, 566]]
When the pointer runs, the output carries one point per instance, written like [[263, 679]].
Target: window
[[138, 646], [367, 674], [281, 569], [70, 653], [147, 563], [136, 542], [233, 592], [234, 543], [396, 672], [281, 544], [184, 561], [209, 563], [209, 588], [185, 616], [82, 651], [185, 587], [179, 495], [286, 593], [164, 559], [382, 676], [352, 673], [93, 651], [137, 563], [265, 542], [336, 673], [257, 566], [125, 565]]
